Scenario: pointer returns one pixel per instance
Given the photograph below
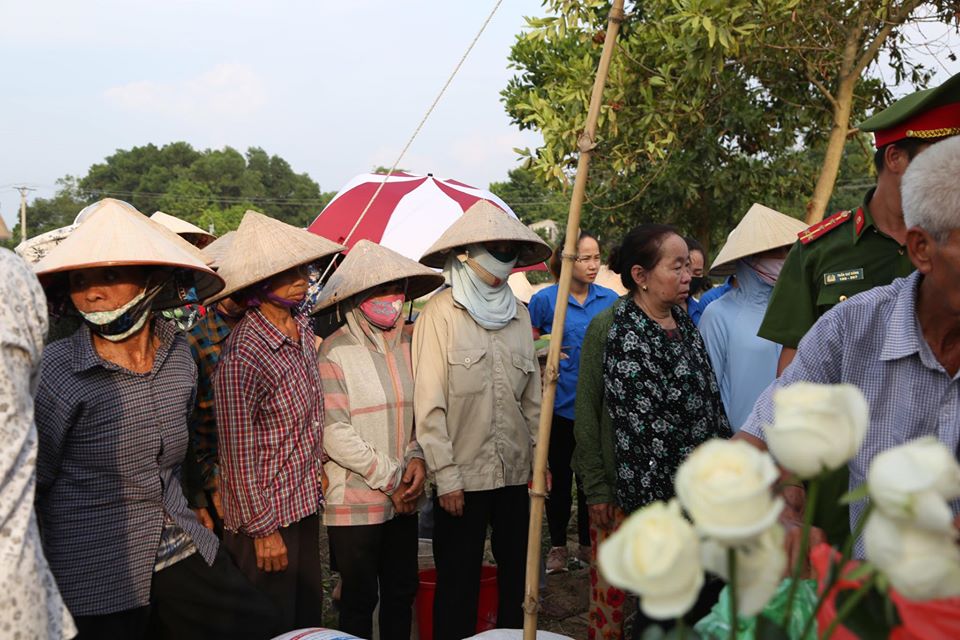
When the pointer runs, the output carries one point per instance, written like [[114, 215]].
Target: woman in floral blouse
[[660, 388]]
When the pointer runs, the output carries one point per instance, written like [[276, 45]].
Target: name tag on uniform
[[843, 276]]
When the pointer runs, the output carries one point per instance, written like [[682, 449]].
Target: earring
[[644, 287]]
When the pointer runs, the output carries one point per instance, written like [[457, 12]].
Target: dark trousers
[[297, 592], [377, 558], [458, 552], [560, 501], [191, 600]]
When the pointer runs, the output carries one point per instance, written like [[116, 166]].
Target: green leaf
[[767, 629], [855, 495], [862, 571], [868, 618]]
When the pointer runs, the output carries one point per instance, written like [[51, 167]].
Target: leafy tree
[[531, 199], [710, 104], [210, 188]]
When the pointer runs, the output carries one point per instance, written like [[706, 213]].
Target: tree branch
[[874, 47]]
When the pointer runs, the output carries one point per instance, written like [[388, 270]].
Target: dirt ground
[[565, 596]]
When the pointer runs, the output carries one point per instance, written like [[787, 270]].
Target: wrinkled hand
[[204, 517], [415, 475], [602, 515], [399, 504], [452, 502], [271, 552], [792, 520]]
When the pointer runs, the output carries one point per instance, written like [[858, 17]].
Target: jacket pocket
[[520, 373], [466, 374]]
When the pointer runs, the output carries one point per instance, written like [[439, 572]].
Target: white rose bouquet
[[728, 490]]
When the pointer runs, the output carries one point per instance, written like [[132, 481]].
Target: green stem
[[808, 511], [835, 575], [681, 628], [849, 605], [732, 583]]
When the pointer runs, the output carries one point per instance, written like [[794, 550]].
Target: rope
[[416, 131]]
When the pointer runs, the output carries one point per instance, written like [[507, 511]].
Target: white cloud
[[227, 91]]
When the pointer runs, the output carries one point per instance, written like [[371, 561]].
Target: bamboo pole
[[586, 144]]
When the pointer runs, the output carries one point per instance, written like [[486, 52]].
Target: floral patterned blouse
[[664, 400]]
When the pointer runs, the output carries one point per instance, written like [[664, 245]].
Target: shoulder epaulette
[[821, 228]]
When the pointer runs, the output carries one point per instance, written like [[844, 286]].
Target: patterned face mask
[[122, 323], [383, 311], [186, 316]]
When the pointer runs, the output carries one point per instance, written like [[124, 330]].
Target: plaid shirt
[[206, 342], [874, 341], [269, 410], [111, 445]]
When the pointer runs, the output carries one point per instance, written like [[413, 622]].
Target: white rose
[[656, 554], [920, 564], [725, 486], [817, 427], [914, 482], [760, 566]]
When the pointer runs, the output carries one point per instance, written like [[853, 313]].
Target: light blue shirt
[[874, 341], [542, 305], [745, 364]]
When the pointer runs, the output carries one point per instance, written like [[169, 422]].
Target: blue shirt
[[695, 308], [542, 305], [874, 341], [745, 364]]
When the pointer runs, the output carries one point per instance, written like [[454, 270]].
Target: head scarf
[[479, 283]]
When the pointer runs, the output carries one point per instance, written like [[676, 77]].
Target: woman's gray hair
[[930, 189]]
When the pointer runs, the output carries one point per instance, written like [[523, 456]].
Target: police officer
[[852, 251]]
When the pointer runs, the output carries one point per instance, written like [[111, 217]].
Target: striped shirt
[[874, 341], [367, 379], [111, 445], [269, 411]]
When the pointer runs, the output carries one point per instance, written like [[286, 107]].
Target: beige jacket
[[476, 397]]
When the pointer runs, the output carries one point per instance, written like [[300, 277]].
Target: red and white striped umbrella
[[408, 215]]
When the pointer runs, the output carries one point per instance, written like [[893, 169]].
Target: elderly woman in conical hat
[[375, 472], [111, 411], [477, 405], [744, 362], [269, 412]]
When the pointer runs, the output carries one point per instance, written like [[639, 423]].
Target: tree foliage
[[210, 188], [710, 105]]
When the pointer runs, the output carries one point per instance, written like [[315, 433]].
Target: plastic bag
[[716, 625]]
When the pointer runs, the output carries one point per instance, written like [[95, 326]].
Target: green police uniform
[[834, 260], [846, 254]]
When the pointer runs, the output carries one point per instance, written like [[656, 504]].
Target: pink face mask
[[767, 268], [383, 311]]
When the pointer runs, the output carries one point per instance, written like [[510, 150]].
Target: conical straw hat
[[190, 232], [116, 234], [486, 222], [761, 229], [368, 265], [217, 250], [263, 247]]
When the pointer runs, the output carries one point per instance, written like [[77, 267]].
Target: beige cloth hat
[[34, 249], [263, 247], [116, 234], [189, 232], [216, 251], [368, 265], [486, 222], [761, 229]]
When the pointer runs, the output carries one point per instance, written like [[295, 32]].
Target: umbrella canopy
[[408, 215]]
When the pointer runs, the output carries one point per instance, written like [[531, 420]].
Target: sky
[[335, 88]]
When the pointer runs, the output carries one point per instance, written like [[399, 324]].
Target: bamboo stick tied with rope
[[586, 145]]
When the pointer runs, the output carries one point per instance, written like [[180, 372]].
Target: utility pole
[[23, 211]]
